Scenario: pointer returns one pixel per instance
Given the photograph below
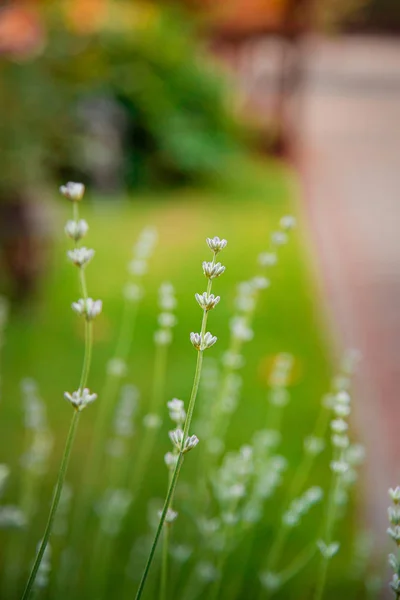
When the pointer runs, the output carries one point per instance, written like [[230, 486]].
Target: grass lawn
[[44, 341]]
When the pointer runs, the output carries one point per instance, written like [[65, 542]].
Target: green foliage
[[180, 127]]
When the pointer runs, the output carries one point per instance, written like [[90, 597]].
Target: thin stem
[[167, 502], [164, 564], [70, 437], [188, 421], [54, 504], [330, 518], [298, 563], [88, 354]]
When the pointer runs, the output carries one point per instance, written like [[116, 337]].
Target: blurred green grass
[[45, 340]]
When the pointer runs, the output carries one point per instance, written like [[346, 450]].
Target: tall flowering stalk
[[242, 332], [89, 309], [116, 371], [181, 439], [313, 446], [340, 465], [394, 533]]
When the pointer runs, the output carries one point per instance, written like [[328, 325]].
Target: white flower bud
[[137, 267], [80, 256], [328, 550], [240, 329], [76, 229], [339, 466], [260, 283], [133, 292], [176, 410], [117, 367], [342, 398], [394, 533], [202, 344], [267, 259], [395, 494], [190, 443], [215, 244], [73, 191], [152, 421], [170, 516], [80, 399], [279, 238], [88, 307], [395, 584], [162, 337], [314, 445], [170, 460], [340, 441], [207, 302], [341, 410], [176, 437], [211, 270], [394, 515], [339, 426], [287, 222], [166, 319]]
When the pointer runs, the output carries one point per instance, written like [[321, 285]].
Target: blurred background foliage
[[128, 92]]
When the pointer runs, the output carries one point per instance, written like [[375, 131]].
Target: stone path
[[348, 156]]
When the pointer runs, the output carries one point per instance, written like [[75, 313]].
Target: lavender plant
[[224, 508], [180, 438], [88, 308]]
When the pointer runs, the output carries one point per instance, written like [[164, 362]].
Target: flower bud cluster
[[301, 506], [88, 308], [202, 342], [206, 300], [76, 230], [328, 551], [212, 270], [166, 319], [177, 411], [183, 445], [279, 238], [73, 191], [340, 404], [80, 399], [216, 244], [80, 256]]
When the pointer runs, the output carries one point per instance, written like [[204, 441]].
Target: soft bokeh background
[[201, 119]]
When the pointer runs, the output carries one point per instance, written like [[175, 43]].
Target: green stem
[[188, 421], [160, 526], [330, 518], [70, 437], [164, 564], [54, 504], [88, 354], [298, 563]]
